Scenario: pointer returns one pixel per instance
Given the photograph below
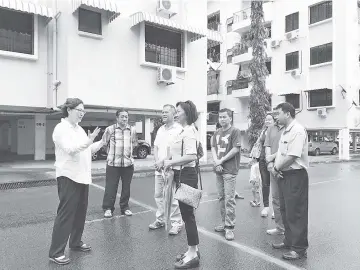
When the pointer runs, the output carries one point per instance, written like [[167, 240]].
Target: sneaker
[[275, 232], [265, 212], [62, 260], [156, 225], [273, 215], [108, 213], [127, 213], [175, 229], [220, 228], [237, 196], [229, 235]]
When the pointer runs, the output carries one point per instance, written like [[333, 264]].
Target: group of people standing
[[284, 156], [282, 164]]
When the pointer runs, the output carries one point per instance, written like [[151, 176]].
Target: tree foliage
[[259, 96]]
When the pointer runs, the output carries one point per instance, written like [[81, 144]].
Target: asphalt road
[[26, 220]]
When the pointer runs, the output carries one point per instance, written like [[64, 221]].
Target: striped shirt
[[120, 145]]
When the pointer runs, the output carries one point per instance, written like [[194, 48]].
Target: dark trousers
[[294, 201], [71, 214], [113, 175], [265, 180], [188, 177]]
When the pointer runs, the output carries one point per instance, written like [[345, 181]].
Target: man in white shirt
[[165, 136]]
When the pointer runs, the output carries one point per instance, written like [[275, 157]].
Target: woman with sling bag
[[183, 162]]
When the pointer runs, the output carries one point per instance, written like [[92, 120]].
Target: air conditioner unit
[[292, 35], [295, 73], [167, 8], [166, 75], [275, 43], [321, 112]]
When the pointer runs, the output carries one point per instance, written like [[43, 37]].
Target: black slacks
[[265, 180], [189, 177], [113, 175], [294, 202], [71, 215]]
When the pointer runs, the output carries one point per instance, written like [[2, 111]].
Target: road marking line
[[246, 249], [115, 217]]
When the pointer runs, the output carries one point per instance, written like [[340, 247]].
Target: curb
[[137, 174]]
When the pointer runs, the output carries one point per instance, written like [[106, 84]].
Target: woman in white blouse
[[184, 153], [73, 149]]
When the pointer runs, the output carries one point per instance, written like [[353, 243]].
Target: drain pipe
[[55, 82]]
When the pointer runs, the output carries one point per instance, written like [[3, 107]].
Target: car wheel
[[317, 152], [334, 151], [142, 152], [94, 156]]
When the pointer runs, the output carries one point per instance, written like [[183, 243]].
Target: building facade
[[312, 62], [138, 55]]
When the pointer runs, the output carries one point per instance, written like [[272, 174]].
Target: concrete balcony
[[242, 19], [239, 88], [243, 55], [214, 92]]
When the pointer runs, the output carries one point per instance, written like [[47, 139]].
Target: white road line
[[246, 249], [115, 217]]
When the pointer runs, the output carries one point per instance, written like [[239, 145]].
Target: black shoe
[[293, 255], [182, 256], [83, 248], [280, 246], [190, 264]]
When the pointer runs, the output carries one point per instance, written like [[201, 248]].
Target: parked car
[[320, 144], [141, 151]]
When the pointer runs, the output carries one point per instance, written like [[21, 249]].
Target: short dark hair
[[120, 111], [228, 111], [286, 107], [190, 111], [172, 107], [70, 103]]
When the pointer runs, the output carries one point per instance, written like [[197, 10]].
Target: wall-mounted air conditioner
[[295, 73], [292, 35], [321, 112], [166, 75], [167, 8], [275, 43]]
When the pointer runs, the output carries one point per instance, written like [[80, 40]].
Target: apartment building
[[134, 54], [312, 58]]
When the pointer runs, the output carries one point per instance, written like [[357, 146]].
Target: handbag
[[185, 193]]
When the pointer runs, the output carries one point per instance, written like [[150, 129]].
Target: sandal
[[254, 204]]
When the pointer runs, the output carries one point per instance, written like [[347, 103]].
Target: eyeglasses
[[79, 110]]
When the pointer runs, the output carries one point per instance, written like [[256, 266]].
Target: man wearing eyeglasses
[[120, 139]]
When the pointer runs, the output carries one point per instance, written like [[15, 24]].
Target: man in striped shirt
[[120, 139]]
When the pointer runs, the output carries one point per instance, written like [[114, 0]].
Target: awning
[[107, 6], [195, 33], [290, 92], [317, 89], [27, 7]]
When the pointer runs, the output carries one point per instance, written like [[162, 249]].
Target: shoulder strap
[[198, 167]]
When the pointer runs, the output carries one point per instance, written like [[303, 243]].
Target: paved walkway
[[22, 171]]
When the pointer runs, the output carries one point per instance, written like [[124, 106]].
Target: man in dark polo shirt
[[225, 148], [291, 165], [271, 145]]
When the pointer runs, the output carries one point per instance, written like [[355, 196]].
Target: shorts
[[255, 186]]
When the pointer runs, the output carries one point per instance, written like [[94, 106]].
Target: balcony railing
[[215, 26], [237, 85], [242, 15], [240, 48]]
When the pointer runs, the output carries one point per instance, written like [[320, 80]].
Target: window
[[268, 66], [292, 61], [292, 22], [213, 54], [293, 99], [320, 12], [163, 46], [16, 32], [90, 21], [229, 23], [321, 54], [268, 31], [320, 98], [214, 21]]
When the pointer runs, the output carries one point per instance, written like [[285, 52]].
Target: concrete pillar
[[344, 151], [148, 130], [40, 136], [354, 142], [201, 123]]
